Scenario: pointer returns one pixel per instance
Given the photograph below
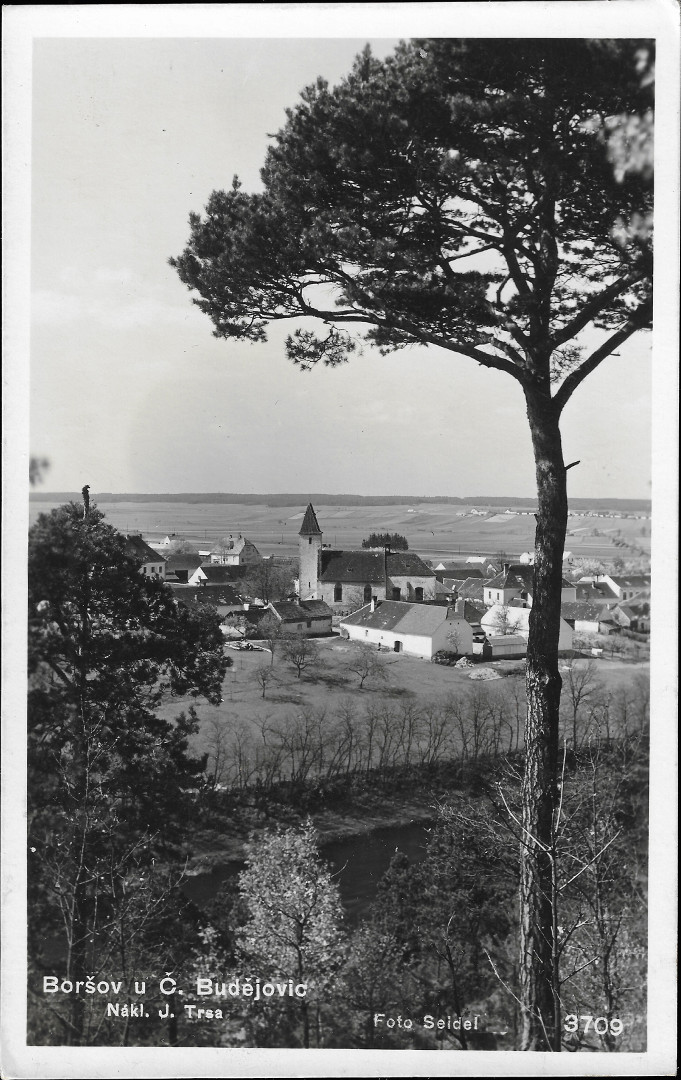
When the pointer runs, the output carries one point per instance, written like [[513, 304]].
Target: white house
[[416, 629], [150, 562], [629, 586], [235, 551], [516, 582], [502, 619]]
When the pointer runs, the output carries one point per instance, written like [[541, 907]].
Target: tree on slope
[[109, 778], [293, 927], [458, 195]]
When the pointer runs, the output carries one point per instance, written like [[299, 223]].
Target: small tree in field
[[458, 195], [300, 652], [365, 664]]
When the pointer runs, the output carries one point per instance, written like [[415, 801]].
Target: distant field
[[434, 530]]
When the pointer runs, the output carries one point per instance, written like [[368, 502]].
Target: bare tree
[[363, 662], [300, 652], [580, 686], [263, 675]]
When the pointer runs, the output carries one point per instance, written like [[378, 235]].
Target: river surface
[[360, 862]]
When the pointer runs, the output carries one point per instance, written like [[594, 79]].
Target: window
[[337, 592], [418, 592]]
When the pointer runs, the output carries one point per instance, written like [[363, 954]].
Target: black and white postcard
[[340, 416]]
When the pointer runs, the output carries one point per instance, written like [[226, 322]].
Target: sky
[[129, 390]]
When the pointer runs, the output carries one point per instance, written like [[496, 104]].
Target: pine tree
[[459, 195], [110, 781]]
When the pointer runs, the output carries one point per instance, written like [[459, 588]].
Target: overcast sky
[[130, 391]]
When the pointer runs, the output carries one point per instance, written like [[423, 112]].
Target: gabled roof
[[352, 566], [631, 581], [207, 594], [456, 571], [184, 561], [310, 526], [519, 576], [137, 548], [369, 567], [407, 564], [316, 608], [471, 613], [585, 612], [297, 610], [587, 594], [471, 588], [216, 574], [399, 616]]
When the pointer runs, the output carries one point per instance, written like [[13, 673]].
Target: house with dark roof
[[210, 574], [222, 597], [183, 566], [347, 579], [628, 586], [150, 563], [313, 618], [471, 589], [458, 571], [588, 618], [415, 629]]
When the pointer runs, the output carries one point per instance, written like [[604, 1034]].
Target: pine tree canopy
[[459, 193]]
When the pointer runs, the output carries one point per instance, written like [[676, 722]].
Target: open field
[[410, 681], [433, 530]]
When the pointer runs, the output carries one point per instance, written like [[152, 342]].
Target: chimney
[[507, 567], [373, 603]]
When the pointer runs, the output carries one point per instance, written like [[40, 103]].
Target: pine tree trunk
[[539, 986]]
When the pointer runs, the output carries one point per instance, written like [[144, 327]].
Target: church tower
[[310, 548]]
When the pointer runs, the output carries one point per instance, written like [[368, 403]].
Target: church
[[347, 579]]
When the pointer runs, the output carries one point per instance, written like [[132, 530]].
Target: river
[[359, 861]]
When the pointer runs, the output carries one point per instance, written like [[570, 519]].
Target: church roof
[[357, 566], [368, 567], [310, 524]]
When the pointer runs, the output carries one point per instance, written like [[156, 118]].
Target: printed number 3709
[[600, 1024]]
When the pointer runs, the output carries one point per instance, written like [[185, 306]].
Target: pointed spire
[[310, 526]]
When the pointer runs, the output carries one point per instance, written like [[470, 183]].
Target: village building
[[235, 551], [348, 579], [224, 598], [516, 582], [414, 629], [459, 571], [471, 589], [502, 620], [181, 567], [588, 618], [150, 562], [501, 647], [628, 587], [312, 618]]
